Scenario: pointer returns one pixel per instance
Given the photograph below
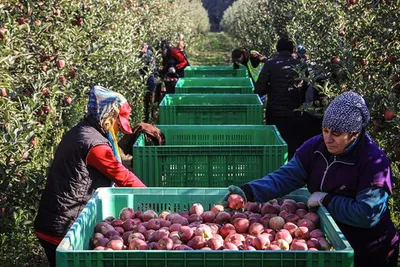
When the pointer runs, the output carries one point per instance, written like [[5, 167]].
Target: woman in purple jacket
[[347, 173]]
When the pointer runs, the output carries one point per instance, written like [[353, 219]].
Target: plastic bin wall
[[214, 86]]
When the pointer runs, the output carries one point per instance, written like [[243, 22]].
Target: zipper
[[328, 166]]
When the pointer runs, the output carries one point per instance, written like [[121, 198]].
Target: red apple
[[335, 60], [235, 201], [217, 208], [165, 243], [388, 115], [196, 208], [60, 63], [3, 92], [68, 100], [57, 12], [138, 244], [185, 233]]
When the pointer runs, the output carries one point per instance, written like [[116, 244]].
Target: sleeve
[[262, 86], [365, 211], [281, 182], [179, 58], [102, 158], [374, 189]]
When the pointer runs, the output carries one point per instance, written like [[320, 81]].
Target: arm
[[102, 158], [365, 211], [278, 183], [262, 85]]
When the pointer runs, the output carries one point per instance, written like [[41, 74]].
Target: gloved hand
[[315, 199], [233, 189]]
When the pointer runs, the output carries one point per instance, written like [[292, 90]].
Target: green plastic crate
[[209, 156], [206, 109], [73, 250], [215, 71], [214, 86]]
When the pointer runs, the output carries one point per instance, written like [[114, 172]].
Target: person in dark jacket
[[251, 59], [86, 158], [348, 174], [284, 93]]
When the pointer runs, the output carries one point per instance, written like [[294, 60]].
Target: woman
[[87, 158], [348, 174]]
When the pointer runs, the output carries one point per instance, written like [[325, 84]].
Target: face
[[337, 142]]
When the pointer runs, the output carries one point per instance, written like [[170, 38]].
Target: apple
[[217, 208], [335, 60], [196, 208], [227, 229], [185, 233], [195, 218], [115, 244], [197, 242], [44, 68], [3, 31], [60, 63], [21, 20], [388, 115], [137, 244], [62, 79], [204, 231], [165, 243], [252, 206], [281, 243], [222, 218], [302, 232], [208, 216], [37, 23], [299, 244], [215, 243], [241, 225], [148, 215], [269, 208], [46, 108], [68, 100], [261, 242], [235, 201], [307, 223], [153, 224], [3, 92], [256, 229], [72, 73], [57, 12], [45, 91]]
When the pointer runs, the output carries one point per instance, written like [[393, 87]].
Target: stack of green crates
[[73, 250]]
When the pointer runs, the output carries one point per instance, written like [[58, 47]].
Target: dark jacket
[[70, 182], [277, 81], [358, 184]]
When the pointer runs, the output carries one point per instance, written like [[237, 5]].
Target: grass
[[213, 48]]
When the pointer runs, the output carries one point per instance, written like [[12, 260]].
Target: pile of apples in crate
[[283, 225]]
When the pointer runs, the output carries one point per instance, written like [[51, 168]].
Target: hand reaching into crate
[[235, 198]]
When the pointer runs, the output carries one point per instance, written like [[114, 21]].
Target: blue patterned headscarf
[[348, 113]]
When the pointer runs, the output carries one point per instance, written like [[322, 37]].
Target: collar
[[348, 156]]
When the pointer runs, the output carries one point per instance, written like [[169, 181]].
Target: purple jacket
[[358, 184]]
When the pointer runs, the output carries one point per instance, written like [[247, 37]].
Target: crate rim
[[259, 102], [227, 126]]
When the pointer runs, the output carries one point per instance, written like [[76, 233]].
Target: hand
[[233, 189], [315, 199]]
